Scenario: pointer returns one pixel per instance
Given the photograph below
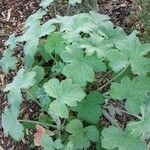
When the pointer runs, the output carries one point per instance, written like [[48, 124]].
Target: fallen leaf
[[40, 131]]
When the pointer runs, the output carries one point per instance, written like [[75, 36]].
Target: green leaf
[[11, 41], [56, 109], [39, 73], [55, 43], [81, 137], [134, 91], [11, 125], [141, 128], [22, 80], [43, 98], [34, 18], [113, 138], [65, 93], [69, 146], [90, 108], [7, 65], [45, 3], [73, 2], [47, 28], [48, 144], [132, 55], [81, 68]]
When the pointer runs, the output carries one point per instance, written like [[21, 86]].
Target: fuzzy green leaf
[[132, 55], [48, 144], [34, 18], [39, 73], [81, 137], [81, 68], [134, 91], [45, 3], [7, 65], [73, 2], [141, 128], [22, 80], [113, 138], [65, 93], [90, 108], [11, 125], [54, 42]]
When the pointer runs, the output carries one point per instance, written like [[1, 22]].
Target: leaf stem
[[53, 58], [37, 122]]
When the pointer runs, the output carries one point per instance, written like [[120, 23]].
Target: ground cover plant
[[61, 58]]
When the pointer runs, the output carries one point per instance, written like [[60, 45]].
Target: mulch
[[13, 14]]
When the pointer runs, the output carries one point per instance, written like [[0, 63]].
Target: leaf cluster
[[62, 57]]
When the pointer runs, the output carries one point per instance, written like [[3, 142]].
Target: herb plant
[[61, 58]]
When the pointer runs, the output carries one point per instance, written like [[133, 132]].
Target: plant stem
[[37, 122], [53, 58]]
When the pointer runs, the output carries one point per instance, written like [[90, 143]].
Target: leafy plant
[[61, 58]]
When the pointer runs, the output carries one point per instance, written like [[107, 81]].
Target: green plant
[[61, 59]]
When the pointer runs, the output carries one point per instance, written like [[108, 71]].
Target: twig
[[130, 114], [110, 119]]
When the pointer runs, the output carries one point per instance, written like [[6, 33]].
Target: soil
[[13, 14]]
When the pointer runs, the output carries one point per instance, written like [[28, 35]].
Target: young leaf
[[39, 73], [45, 3], [132, 55], [113, 138], [90, 108], [11, 125], [81, 68], [7, 65], [81, 137], [134, 91], [65, 93], [141, 128], [48, 144], [54, 42]]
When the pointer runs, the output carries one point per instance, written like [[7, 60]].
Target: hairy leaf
[[113, 137], [141, 128], [54, 42], [11, 125], [134, 91], [45, 3], [90, 108], [48, 144], [65, 93], [81, 137], [81, 68], [132, 55], [8, 61]]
